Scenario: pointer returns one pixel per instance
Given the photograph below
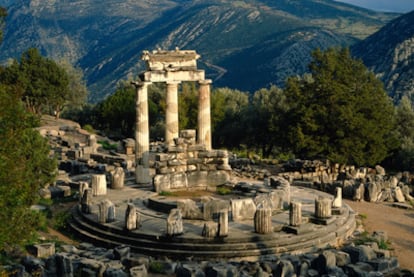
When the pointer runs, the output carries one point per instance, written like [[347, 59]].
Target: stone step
[[203, 248]]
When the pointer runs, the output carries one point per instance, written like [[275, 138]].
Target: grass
[[365, 237], [107, 145], [156, 267], [223, 190]]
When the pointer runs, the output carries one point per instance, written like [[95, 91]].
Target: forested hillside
[[390, 54], [244, 44]]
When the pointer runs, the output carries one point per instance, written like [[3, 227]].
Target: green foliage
[[266, 120], [342, 113], [166, 193], [77, 90], [156, 267], [116, 114], [107, 145], [223, 190], [40, 82], [403, 158], [188, 106], [3, 14], [89, 128], [228, 111], [25, 167], [60, 220]]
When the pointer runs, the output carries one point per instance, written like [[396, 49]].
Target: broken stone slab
[[212, 208], [175, 223], [118, 178], [189, 209], [398, 195], [132, 217], [138, 271], [44, 250], [242, 209], [209, 230]]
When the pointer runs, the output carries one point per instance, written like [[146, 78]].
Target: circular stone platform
[[242, 243]]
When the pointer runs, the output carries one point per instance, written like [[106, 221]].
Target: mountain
[[243, 44], [390, 54]]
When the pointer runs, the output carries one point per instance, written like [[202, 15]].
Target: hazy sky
[[402, 6]]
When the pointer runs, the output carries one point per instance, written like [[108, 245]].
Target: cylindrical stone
[[263, 221], [204, 117], [98, 184], [295, 214], [118, 178], [337, 203], [171, 113], [132, 217], [209, 230], [323, 207], [142, 172], [86, 201], [223, 226]]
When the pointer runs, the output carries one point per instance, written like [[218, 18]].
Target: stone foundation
[[187, 165]]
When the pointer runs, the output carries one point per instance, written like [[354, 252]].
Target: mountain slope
[[243, 44], [390, 54]]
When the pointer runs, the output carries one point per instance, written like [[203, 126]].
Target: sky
[[401, 6]]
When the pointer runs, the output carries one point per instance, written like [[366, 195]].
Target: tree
[[25, 167], [404, 157], [43, 85], [188, 106], [228, 119], [266, 120], [116, 114], [341, 113], [77, 90]]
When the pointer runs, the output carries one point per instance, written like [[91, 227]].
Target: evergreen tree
[[41, 83], [341, 113], [25, 167]]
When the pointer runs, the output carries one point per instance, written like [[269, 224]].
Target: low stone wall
[[187, 165], [88, 260]]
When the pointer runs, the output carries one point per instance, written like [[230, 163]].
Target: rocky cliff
[[390, 54]]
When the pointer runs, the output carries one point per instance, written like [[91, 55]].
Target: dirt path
[[398, 223]]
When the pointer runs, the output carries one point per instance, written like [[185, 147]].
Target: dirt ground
[[398, 223]]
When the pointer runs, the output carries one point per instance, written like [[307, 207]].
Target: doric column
[[171, 113], [204, 121], [295, 213], [142, 173], [323, 207]]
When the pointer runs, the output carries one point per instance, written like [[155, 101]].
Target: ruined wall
[[187, 165]]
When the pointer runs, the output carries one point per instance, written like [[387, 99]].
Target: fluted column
[[204, 118], [171, 113], [142, 173], [295, 214]]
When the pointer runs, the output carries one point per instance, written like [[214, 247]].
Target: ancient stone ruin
[[124, 204]]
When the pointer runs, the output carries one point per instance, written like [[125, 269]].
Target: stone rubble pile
[[359, 184], [88, 260]]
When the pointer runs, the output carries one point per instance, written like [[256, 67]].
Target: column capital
[[172, 82], [205, 82], [138, 84]]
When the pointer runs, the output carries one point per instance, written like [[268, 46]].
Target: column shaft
[[171, 113], [204, 118], [142, 174]]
